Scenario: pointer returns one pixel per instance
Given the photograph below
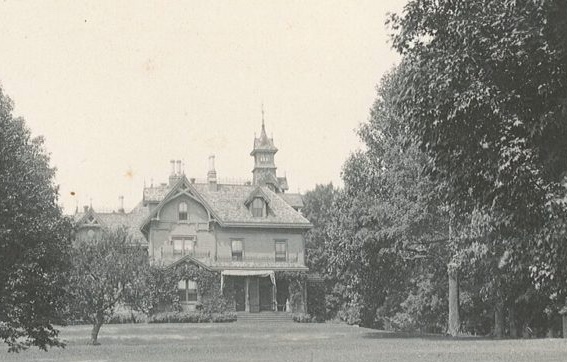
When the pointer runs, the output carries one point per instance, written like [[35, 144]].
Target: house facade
[[246, 232]]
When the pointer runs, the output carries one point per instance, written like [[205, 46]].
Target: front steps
[[264, 317]]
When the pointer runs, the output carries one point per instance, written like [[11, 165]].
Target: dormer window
[[258, 207], [182, 211]]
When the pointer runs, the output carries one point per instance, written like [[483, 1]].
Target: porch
[[255, 291]]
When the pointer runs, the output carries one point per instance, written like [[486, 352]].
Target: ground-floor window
[[187, 290]]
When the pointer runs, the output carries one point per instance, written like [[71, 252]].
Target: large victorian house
[[246, 232]]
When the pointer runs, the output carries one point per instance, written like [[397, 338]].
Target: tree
[[481, 90], [388, 218], [102, 269], [34, 238], [318, 206]]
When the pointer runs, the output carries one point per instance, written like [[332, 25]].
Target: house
[[248, 233]]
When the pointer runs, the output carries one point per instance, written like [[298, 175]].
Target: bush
[[303, 318], [192, 317], [223, 317], [126, 317]]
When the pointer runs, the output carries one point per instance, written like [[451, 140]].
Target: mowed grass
[[281, 342]]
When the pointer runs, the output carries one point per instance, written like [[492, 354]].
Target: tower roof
[[263, 143]]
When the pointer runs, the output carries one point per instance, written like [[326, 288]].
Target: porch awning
[[248, 273]]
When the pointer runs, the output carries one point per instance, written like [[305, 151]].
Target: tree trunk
[[564, 319], [513, 325], [499, 318], [454, 318], [99, 320]]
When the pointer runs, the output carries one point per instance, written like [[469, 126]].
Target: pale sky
[[120, 88]]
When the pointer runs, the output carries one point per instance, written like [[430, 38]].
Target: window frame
[[189, 295], [254, 209], [188, 244], [237, 256], [182, 210], [281, 258]]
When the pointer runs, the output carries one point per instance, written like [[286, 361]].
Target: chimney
[[121, 204], [174, 176], [85, 208], [178, 167], [212, 174]]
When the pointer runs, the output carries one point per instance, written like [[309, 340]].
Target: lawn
[[281, 342]]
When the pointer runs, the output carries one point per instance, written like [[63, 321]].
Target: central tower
[[264, 172]]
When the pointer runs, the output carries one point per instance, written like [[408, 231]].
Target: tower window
[[258, 207], [182, 211]]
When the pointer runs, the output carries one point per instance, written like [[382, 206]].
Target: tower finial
[[262, 114]]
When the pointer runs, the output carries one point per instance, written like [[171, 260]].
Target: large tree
[[34, 238], [102, 269], [389, 223], [483, 93]]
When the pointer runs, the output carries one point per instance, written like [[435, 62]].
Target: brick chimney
[[212, 174], [173, 176]]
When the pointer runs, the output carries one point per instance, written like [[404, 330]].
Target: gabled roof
[[182, 186], [294, 200], [155, 193], [229, 205], [257, 192], [111, 220]]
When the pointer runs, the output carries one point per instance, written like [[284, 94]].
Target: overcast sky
[[119, 89]]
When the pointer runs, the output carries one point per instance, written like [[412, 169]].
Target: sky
[[118, 89]]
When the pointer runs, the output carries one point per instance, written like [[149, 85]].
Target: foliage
[[192, 317], [388, 217], [482, 92], [295, 280], [304, 318], [152, 289], [317, 209], [102, 268], [316, 300], [34, 238]]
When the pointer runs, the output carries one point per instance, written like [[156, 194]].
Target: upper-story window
[[258, 207], [237, 249], [264, 159], [182, 211], [183, 245], [281, 250]]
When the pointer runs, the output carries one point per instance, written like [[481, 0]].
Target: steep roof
[[131, 221], [228, 203], [294, 200], [263, 143]]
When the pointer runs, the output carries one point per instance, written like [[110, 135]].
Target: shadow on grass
[[427, 336]]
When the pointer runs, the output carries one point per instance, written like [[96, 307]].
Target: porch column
[[246, 297]]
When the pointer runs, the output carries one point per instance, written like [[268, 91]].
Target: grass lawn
[[280, 342]]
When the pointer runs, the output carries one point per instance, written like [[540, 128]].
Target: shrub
[[126, 317], [303, 318], [223, 317], [192, 317]]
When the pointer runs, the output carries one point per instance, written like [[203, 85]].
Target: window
[[183, 245], [236, 246], [258, 207], [281, 250], [182, 211], [187, 290]]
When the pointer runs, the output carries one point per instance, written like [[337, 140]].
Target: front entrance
[[251, 293]]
